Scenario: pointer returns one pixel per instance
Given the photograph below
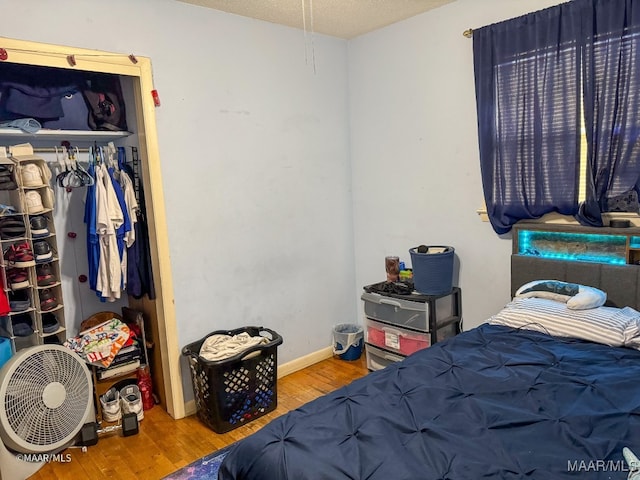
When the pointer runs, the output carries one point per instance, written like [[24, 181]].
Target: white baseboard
[[190, 408], [304, 362], [283, 370]]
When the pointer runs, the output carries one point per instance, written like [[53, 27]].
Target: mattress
[[493, 402]]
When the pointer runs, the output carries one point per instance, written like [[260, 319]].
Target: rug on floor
[[203, 468]]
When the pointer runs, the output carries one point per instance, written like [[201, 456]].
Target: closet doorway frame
[[160, 312]]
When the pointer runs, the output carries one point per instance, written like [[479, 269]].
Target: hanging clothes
[[130, 208], [122, 230], [110, 214], [118, 250], [139, 269], [129, 197], [109, 218], [93, 247]]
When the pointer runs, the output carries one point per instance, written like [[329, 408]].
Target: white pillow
[[576, 296], [617, 327]]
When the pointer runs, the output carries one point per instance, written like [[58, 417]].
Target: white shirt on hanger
[[132, 209], [109, 218]]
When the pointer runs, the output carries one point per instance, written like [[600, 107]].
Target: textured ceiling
[[338, 18]]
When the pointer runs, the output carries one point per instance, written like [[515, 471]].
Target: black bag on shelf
[[103, 95]]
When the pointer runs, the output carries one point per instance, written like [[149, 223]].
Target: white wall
[[254, 151], [414, 149], [277, 177]]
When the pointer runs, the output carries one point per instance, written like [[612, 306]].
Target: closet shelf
[[71, 135], [45, 287], [12, 313]]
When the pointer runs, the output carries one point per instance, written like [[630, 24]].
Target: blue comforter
[[492, 402]]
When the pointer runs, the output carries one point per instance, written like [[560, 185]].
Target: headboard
[[620, 282]]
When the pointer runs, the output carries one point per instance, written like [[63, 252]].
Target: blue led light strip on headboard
[[579, 247]]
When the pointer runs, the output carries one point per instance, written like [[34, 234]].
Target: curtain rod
[[468, 32]]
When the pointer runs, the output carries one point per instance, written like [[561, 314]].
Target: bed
[[498, 401]]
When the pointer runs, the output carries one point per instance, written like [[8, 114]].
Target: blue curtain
[[527, 73], [611, 72]]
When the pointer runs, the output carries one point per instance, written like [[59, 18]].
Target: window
[[558, 98]]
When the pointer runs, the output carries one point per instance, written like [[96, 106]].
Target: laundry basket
[[231, 392]]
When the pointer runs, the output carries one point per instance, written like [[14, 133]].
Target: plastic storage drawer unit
[[404, 312], [396, 339], [377, 359]]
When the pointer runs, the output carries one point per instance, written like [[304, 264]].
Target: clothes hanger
[[64, 167], [83, 176], [73, 175], [73, 180], [111, 156]]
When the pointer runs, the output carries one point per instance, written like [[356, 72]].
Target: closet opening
[[92, 130]]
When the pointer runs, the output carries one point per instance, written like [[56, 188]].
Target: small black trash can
[[231, 392]]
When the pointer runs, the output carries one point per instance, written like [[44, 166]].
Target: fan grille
[[46, 397]]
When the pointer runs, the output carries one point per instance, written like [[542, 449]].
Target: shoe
[[6, 183], [20, 255], [22, 325], [19, 301], [39, 226], [31, 175], [5, 171], [52, 340], [45, 276], [47, 300], [18, 278], [42, 251], [7, 209], [131, 401], [110, 402], [6, 179], [11, 227], [49, 323], [34, 202]]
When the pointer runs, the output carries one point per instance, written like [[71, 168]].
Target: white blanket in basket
[[218, 347]]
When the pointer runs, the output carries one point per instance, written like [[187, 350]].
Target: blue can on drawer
[[432, 269]]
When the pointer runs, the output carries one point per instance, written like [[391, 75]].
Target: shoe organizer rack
[[38, 316]]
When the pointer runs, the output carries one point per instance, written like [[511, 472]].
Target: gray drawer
[[377, 359], [404, 312]]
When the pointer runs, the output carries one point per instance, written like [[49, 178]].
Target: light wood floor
[[165, 445]]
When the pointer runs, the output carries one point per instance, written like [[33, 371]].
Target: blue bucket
[[347, 341], [433, 270], [5, 350]]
